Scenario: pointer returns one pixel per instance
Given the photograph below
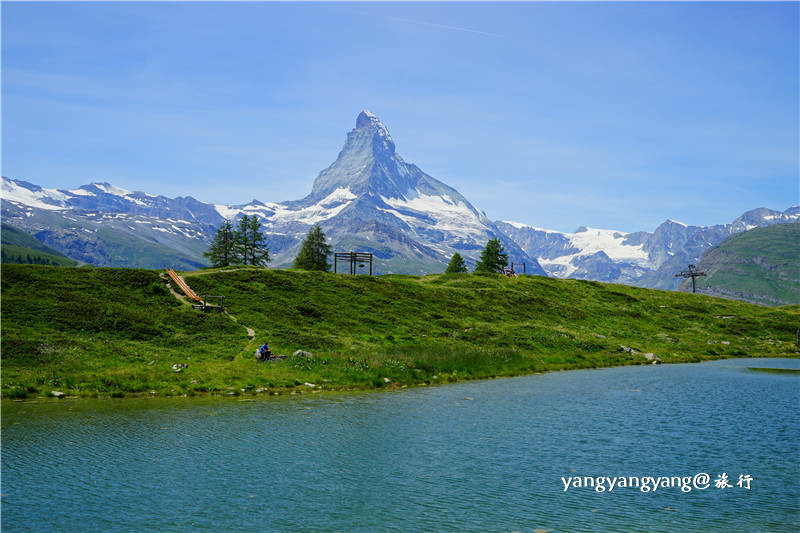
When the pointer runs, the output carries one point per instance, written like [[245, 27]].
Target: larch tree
[[456, 265], [314, 252], [251, 242], [493, 258], [222, 251]]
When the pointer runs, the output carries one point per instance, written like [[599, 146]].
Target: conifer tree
[[222, 251], [251, 244], [456, 265], [314, 252], [493, 258]]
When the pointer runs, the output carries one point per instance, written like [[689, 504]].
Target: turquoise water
[[478, 456]]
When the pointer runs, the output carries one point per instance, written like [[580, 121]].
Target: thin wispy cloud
[[440, 26]]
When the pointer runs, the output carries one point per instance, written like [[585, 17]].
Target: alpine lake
[[510, 454]]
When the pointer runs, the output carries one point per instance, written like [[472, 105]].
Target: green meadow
[[118, 332]]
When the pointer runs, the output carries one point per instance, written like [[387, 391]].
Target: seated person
[[264, 352]]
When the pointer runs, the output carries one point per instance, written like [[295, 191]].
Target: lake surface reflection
[[478, 456]]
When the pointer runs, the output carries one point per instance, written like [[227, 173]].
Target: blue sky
[[556, 115]]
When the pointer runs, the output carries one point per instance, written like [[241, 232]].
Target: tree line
[[28, 259], [493, 259], [246, 245]]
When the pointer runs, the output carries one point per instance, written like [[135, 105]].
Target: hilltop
[[759, 266], [111, 331]]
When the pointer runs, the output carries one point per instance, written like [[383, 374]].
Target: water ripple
[[482, 456]]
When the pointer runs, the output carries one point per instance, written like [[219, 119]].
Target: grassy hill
[[19, 247], [117, 331], [760, 266]]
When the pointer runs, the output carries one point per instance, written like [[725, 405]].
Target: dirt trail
[[181, 298]]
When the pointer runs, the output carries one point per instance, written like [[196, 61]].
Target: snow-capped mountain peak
[[369, 188]]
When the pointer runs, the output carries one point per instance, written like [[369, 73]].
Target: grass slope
[[760, 266], [94, 332], [19, 247]]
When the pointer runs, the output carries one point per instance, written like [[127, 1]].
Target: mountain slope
[[761, 265], [107, 226], [641, 258], [19, 247]]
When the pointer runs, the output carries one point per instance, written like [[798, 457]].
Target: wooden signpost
[[691, 272], [355, 260]]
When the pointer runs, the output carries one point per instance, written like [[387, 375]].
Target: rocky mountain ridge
[[368, 199], [641, 258]]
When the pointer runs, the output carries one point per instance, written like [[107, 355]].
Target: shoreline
[[305, 390]]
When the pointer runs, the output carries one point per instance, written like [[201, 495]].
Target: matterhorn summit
[[370, 199]]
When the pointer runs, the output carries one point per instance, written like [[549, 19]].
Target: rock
[[177, 366], [151, 363], [627, 349], [307, 384], [302, 353], [387, 380], [193, 382], [259, 390], [178, 370], [652, 358], [57, 394], [726, 343], [599, 336]]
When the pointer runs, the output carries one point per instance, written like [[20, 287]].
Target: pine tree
[[493, 258], [222, 251], [314, 252], [251, 244], [456, 265]]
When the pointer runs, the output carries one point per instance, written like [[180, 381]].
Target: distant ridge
[[369, 199], [761, 265]]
